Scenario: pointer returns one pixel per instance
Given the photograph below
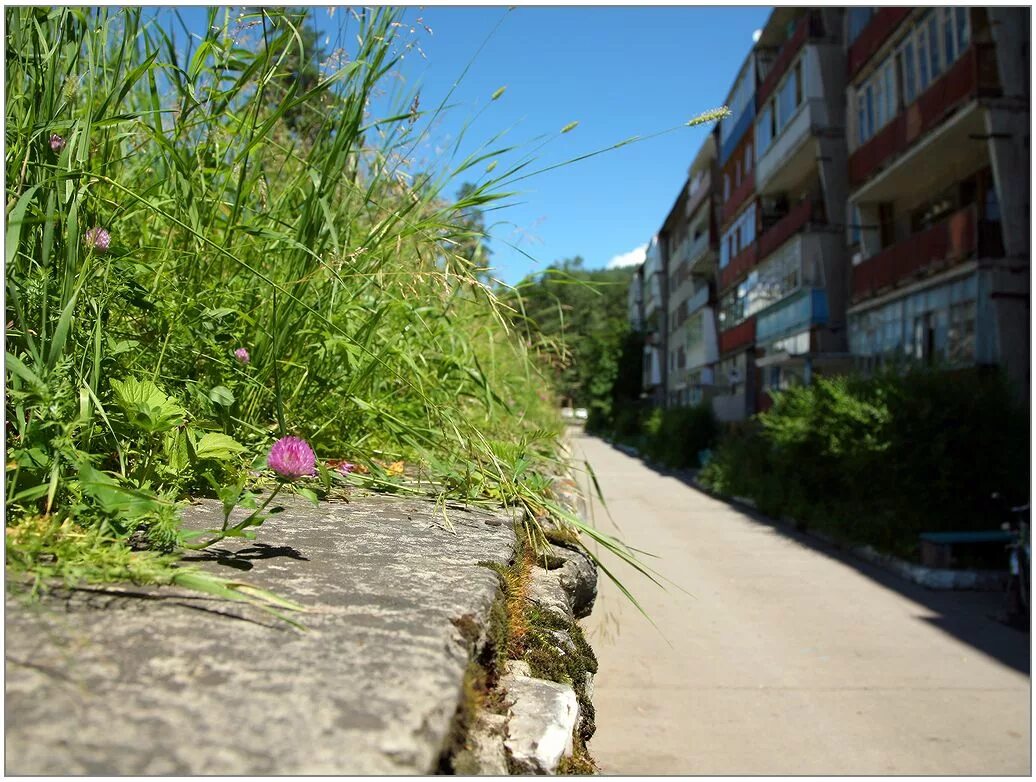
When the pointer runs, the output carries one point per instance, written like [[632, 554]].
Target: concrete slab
[[162, 681]]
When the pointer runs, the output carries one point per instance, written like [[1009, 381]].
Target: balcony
[[741, 335], [738, 265], [799, 217], [884, 23], [741, 193], [789, 156], [702, 346], [973, 75], [804, 308], [700, 194], [809, 25], [950, 242], [698, 248], [744, 122], [698, 300]]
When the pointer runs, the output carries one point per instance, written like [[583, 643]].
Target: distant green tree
[[299, 71], [578, 318]]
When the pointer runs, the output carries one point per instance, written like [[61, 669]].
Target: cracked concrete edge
[[928, 577], [542, 716]]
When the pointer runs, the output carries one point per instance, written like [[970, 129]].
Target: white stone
[[543, 716]]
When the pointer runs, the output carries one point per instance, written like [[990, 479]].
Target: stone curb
[[542, 716], [141, 681]]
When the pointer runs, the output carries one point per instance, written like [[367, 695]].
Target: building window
[[922, 60], [748, 159], [926, 51], [960, 15], [740, 97], [933, 43], [789, 96], [935, 326], [949, 40], [909, 86], [738, 236], [764, 129], [726, 187], [876, 101], [737, 173]]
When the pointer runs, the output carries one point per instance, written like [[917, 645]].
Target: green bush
[[881, 460], [675, 436]]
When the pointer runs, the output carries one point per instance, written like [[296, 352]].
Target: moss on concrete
[[554, 647]]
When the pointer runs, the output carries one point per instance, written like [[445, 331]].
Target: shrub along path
[[789, 659]]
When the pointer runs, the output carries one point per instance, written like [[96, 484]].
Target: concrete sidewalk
[[786, 657]]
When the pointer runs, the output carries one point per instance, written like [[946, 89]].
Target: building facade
[[938, 174], [655, 297], [867, 203]]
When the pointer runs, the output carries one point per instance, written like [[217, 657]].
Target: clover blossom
[[241, 354], [56, 143], [98, 238], [292, 457]]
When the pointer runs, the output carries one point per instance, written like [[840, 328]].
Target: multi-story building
[[672, 241], [635, 300], [870, 195], [939, 186], [654, 294], [738, 216], [794, 288], [701, 338]]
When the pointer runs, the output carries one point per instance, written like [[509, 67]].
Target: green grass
[[253, 201]]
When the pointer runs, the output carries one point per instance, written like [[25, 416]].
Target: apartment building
[[738, 217], [672, 242], [635, 300], [655, 296], [938, 131], [870, 197], [792, 286], [700, 335]]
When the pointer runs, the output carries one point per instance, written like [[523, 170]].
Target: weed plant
[[212, 247]]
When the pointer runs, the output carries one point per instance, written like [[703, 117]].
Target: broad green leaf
[[216, 445], [113, 497], [146, 406], [221, 395]]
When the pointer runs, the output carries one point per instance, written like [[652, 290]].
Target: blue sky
[[618, 71]]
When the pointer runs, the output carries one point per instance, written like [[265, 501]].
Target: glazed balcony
[[882, 25], [803, 214], [738, 197], [955, 239], [973, 75], [787, 158], [803, 309], [744, 122], [739, 265], [700, 194], [808, 26], [698, 251]]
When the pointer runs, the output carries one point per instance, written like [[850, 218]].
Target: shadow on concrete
[[242, 559], [971, 617]]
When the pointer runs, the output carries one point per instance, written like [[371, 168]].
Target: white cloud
[[633, 258], [756, 36]]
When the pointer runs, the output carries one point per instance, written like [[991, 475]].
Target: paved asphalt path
[[788, 657]]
